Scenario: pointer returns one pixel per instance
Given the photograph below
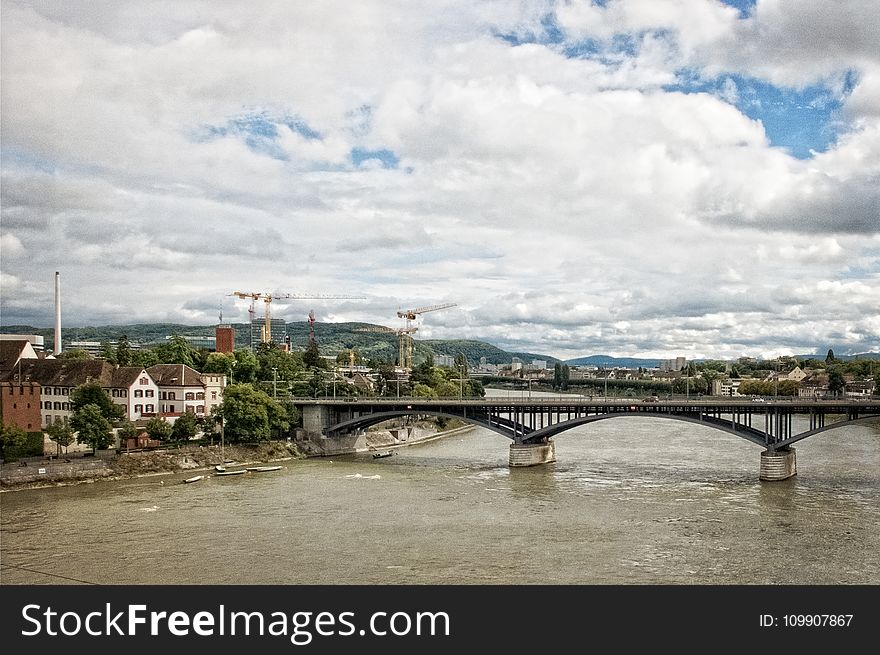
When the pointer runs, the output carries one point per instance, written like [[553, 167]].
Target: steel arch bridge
[[535, 421]]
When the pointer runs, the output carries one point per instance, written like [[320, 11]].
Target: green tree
[[184, 428], [158, 429], [12, 440], [829, 357], [144, 358], [108, 353], [91, 393], [123, 351], [557, 375], [250, 414], [836, 383], [127, 430], [92, 426], [312, 356], [176, 350], [62, 434]]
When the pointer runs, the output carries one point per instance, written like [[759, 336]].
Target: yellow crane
[[404, 334], [405, 341], [267, 298]]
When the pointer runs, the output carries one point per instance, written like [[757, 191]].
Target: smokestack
[[57, 313]]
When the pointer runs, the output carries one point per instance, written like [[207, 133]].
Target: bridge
[[531, 424]]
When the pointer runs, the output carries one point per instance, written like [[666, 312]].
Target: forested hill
[[332, 338]]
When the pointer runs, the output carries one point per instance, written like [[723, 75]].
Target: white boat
[[195, 478], [263, 469], [236, 472]]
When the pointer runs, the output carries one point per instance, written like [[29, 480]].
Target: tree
[[92, 426], [557, 375], [127, 430], [312, 356], [836, 383], [250, 414], [91, 393], [184, 428], [123, 351], [62, 434], [158, 429], [12, 440], [176, 351], [829, 357], [108, 353]]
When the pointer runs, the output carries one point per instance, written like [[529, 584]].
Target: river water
[[630, 501]]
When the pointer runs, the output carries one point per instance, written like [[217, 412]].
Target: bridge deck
[[533, 420]]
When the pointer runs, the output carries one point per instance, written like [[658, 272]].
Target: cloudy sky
[[624, 177]]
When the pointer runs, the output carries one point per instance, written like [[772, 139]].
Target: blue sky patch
[[259, 131], [745, 6], [386, 157], [798, 120]]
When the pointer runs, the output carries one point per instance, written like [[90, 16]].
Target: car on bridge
[[651, 399]]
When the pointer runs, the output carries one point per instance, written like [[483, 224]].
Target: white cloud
[[567, 205]]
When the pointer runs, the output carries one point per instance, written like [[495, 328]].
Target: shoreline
[[184, 459]]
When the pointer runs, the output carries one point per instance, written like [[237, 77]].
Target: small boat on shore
[[195, 478], [236, 472], [263, 469], [388, 453]]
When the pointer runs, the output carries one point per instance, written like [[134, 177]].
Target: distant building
[[539, 364], [673, 364], [20, 405], [224, 339], [444, 360], [36, 341], [183, 390], [128, 386], [279, 331], [12, 351]]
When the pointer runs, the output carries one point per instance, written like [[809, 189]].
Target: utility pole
[[274, 383]]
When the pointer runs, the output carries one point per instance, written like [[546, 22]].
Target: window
[[163, 395], [200, 409], [57, 406], [200, 396], [138, 409], [171, 395], [190, 395], [114, 393], [144, 380], [138, 393], [65, 407], [213, 395], [150, 409], [171, 408], [150, 393], [47, 420]]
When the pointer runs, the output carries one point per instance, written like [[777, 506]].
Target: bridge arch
[[367, 420]]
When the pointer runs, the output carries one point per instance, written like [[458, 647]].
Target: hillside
[[332, 338]]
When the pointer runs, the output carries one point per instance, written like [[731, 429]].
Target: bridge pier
[[778, 464], [532, 454]]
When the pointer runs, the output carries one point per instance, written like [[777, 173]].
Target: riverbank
[[112, 466], [194, 458]]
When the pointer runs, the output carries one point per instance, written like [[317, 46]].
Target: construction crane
[[404, 334], [267, 298], [405, 341], [411, 314]]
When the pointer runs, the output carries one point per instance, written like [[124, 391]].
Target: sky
[[651, 178]]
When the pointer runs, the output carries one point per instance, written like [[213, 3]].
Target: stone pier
[[532, 454], [778, 464]]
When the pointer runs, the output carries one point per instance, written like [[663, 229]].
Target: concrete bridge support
[[778, 464], [532, 454], [315, 419]]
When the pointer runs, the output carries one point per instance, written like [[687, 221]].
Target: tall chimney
[[57, 313]]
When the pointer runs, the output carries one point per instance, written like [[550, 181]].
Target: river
[[630, 501]]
